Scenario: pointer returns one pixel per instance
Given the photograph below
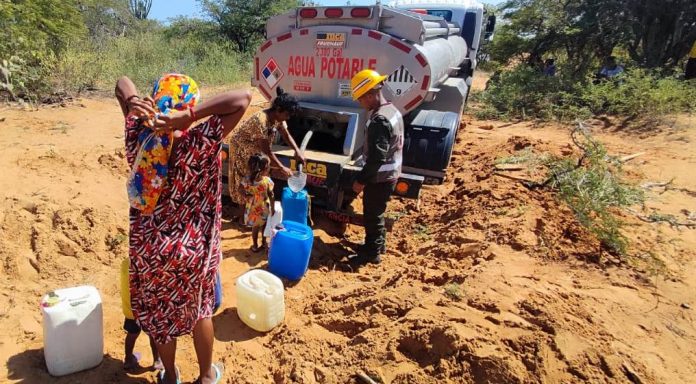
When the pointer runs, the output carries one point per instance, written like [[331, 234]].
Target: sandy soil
[[484, 281]]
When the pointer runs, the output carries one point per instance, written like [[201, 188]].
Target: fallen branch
[[664, 184], [509, 167], [523, 180], [631, 157], [685, 190], [657, 218], [362, 376], [585, 153]]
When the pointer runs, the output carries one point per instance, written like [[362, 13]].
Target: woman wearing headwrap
[[256, 135], [175, 191]]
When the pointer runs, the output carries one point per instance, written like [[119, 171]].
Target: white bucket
[[73, 330], [297, 181], [260, 300]]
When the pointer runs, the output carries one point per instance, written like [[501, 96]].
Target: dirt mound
[[44, 240], [115, 161], [485, 207]]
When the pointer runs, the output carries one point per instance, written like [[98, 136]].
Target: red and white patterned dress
[[175, 252]]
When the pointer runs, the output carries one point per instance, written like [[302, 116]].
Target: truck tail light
[[333, 12], [308, 13], [418, 10], [402, 188], [360, 12]]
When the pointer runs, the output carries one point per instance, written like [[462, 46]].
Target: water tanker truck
[[313, 52]]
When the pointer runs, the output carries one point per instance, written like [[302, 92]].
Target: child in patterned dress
[[132, 360], [258, 188]]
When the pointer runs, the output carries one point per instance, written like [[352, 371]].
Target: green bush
[[144, 57], [524, 93], [69, 46], [34, 32], [640, 93], [593, 187]]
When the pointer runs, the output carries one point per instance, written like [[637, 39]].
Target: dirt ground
[[484, 281]]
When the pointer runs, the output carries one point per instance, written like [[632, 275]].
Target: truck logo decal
[[331, 40], [272, 73], [312, 169], [400, 81]]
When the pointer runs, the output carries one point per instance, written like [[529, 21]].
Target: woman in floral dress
[[175, 250], [256, 135]]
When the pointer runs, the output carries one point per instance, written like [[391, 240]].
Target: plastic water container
[[290, 251], [73, 329], [273, 221], [260, 300], [295, 205], [297, 181], [218, 292]]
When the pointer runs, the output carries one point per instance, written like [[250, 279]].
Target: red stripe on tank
[[375, 35], [401, 46], [265, 93], [266, 45], [413, 102], [421, 60]]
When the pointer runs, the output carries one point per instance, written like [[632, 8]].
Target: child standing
[[258, 188], [132, 360]]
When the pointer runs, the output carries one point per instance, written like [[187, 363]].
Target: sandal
[[160, 376], [255, 249], [132, 366], [219, 371]]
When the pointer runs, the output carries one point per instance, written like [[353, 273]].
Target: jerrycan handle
[[75, 301]]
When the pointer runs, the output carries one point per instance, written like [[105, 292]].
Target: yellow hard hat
[[364, 81]]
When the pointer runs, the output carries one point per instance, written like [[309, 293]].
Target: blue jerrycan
[[290, 250], [295, 205]]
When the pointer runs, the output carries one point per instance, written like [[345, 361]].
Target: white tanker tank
[[313, 52]]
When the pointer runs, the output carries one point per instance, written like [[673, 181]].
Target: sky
[[166, 9]]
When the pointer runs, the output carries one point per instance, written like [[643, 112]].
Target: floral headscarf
[[175, 91], [149, 173]]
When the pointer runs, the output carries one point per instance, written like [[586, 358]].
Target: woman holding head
[[175, 193]]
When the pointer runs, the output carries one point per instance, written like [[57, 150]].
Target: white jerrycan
[[269, 230], [260, 300], [73, 329]]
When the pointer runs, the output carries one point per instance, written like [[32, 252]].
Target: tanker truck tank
[[313, 52]]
